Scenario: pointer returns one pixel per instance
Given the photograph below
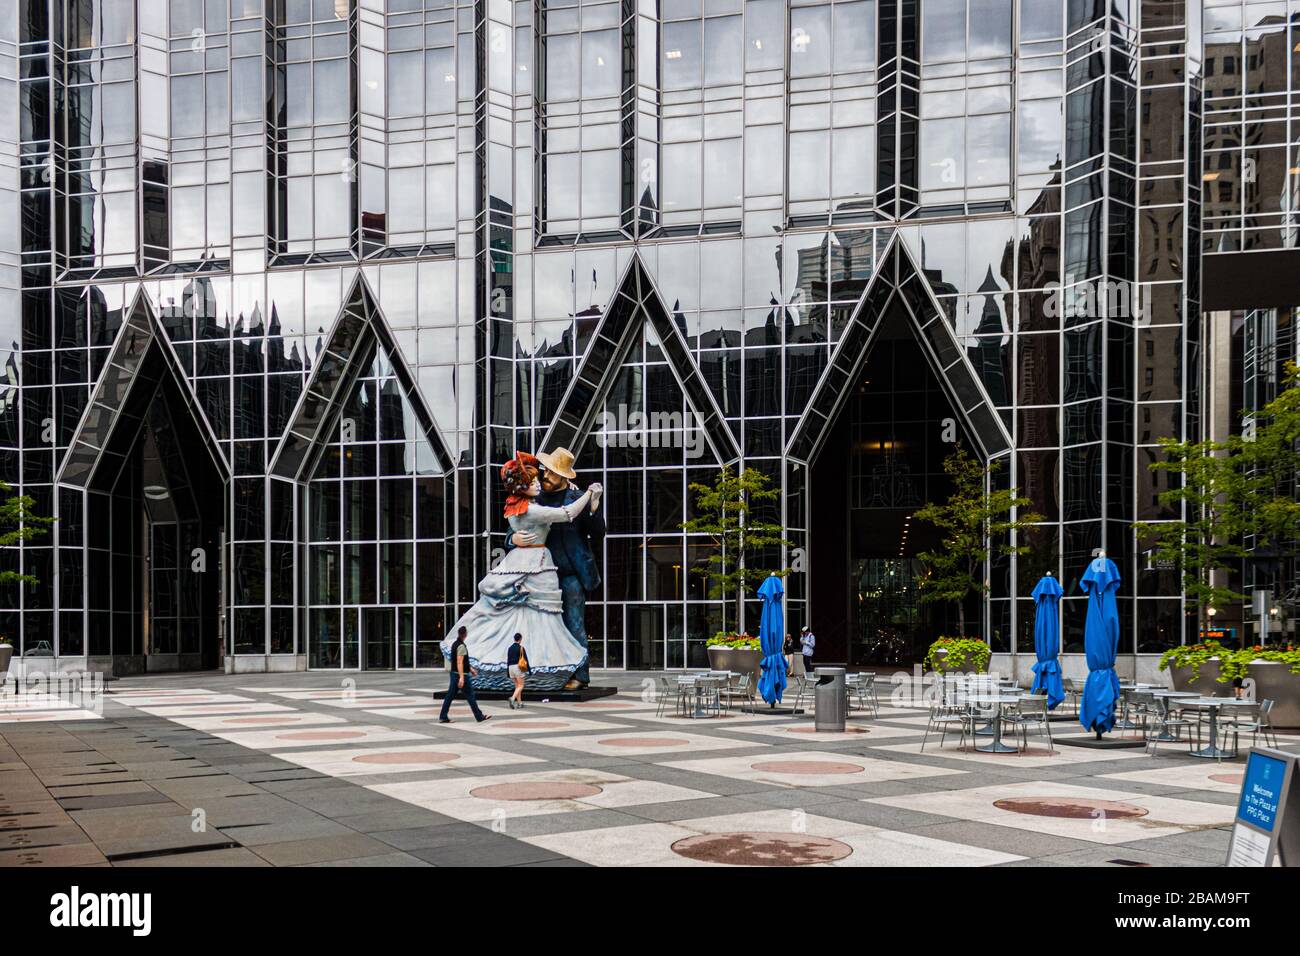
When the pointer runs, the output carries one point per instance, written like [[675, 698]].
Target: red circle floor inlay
[[535, 790], [1232, 778], [408, 756], [644, 742], [814, 730], [322, 735], [262, 720], [806, 766], [1074, 808], [762, 849]]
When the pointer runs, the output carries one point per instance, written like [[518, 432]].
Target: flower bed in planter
[[736, 652], [1211, 669], [957, 655]]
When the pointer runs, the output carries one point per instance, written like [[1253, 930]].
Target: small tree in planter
[[18, 523], [975, 524], [724, 512]]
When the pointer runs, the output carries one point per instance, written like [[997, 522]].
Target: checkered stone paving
[[324, 769]]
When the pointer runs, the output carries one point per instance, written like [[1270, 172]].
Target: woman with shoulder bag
[[517, 667]]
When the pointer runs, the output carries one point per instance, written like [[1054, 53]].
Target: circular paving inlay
[[644, 742], [535, 790], [322, 735], [262, 720], [408, 756], [1074, 808], [806, 766], [1232, 778], [761, 849], [814, 730]]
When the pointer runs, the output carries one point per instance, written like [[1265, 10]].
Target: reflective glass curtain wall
[[495, 170]]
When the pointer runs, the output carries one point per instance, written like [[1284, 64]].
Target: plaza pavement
[[353, 769]]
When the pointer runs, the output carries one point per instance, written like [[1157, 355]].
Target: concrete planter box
[[737, 660], [1206, 683], [1274, 681], [941, 665], [6, 652]]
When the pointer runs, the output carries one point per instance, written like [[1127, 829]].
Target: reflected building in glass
[[285, 281]]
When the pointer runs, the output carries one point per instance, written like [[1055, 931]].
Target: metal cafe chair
[[1073, 692], [1030, 710], [1252, 719], [740, 685], [949, 709], [670, 691], [1167, 723]]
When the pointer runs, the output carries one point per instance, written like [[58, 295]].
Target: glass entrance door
[[645, 637], [379, 637]]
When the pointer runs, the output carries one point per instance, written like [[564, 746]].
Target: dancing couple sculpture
[[540, 587]]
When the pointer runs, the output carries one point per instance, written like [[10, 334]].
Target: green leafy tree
[[19, 523], [974, 525], [1270, 453], [1237, 496], [1213, 491], [724, 512]]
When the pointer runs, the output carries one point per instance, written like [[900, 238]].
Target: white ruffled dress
[[521, 595]]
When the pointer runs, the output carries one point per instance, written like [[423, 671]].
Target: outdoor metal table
[[1212, 704], [700, 685], [987, 729], [1164, 736], [996, 746]]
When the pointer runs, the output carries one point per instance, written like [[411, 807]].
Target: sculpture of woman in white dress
[[522, 593]]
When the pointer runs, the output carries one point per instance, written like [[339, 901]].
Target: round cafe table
[[995, 746], [1213, 704], [1013, 692]]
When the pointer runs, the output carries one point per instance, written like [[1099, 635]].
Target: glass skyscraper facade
[[284, 282]]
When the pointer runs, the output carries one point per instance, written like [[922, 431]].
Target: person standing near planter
[[788, 650], [808, 647]]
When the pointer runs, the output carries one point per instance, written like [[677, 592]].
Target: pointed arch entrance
[[898, 394], [151, 470], [369, 470]]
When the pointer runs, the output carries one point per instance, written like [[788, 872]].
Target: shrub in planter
[[960, 653], [738, 642], [1232, 664], [735, 652]]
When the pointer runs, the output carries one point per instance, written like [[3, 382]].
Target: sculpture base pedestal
[[1105, 743], [536, 696]]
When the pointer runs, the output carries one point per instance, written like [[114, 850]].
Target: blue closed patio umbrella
[[771, 680], [1100, 644], [1047, 641]]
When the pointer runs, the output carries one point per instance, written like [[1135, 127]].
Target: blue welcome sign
[[1262, 835]]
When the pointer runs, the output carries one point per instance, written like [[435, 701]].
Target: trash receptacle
[[832, 699]]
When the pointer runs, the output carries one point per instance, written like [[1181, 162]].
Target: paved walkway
[[317, 769]]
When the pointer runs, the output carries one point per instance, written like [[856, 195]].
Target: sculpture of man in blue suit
[[573, 546]]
